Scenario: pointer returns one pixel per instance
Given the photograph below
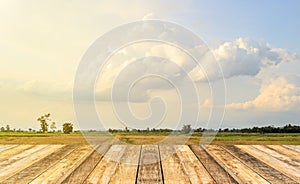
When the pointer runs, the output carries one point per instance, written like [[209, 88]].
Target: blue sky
[[256, 43], [274, 21]]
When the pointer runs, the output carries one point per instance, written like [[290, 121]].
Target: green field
[[148, 138]]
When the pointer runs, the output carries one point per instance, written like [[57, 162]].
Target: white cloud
[[153, 61], [206, 104], [280, 94], [239, 57], [244, 57], [51, 90], [149, 16]]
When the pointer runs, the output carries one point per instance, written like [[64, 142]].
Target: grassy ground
[[146, 138], [40, 138]]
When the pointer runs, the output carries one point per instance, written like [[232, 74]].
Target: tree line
[[188, 129], [67, 127], [45, 123], [271, 129]]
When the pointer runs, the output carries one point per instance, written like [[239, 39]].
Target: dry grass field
[[143, 138]]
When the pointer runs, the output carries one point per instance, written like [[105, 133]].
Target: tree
[[67, 128], [186, 129], [44, 122], [7, 128], [2, 129], [53, 126]]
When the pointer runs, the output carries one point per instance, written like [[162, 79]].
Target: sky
[[255, 44]]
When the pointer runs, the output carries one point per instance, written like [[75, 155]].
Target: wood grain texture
[[292, 154], [172, 169], [37, 168], [267, 172], [193, 168], [149, 165], [6, 147], [279, 156], [127, 168], [107, 167], [239, 171], [216, 171], [279, 165], [293, 147], [58, 172], [80, 174], [7, 154], [32, 155]]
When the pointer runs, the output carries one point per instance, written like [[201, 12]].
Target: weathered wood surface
[[20, 161], [267, 172], [239, 171], [149, 164], [173, 172], [279, 165], [107, 167], [127, 168], [36, 169], [218, 173], [195, 171], [58, 172]]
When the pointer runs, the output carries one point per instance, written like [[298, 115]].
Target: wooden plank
[[19, 156], [58, 172], [281, 166], [13, 151], [106, 168], [292, 147], [37, 168], [6, 147], [81, 172], [216, 171], [293, 155], [149, 165], [127, 169], [172, 169], [279, 156], [240, 172], [193, 168], [267, 172], [40, 152]]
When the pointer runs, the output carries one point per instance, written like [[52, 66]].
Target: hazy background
[[256, 43]]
